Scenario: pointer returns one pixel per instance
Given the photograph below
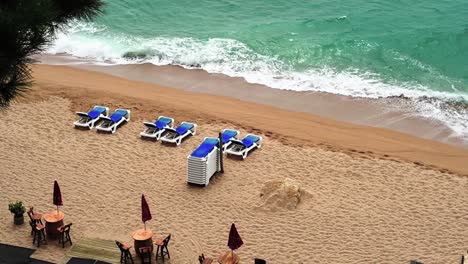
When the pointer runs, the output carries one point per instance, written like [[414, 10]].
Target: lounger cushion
[[249, 140], [183, 128], [162, 122], [117, 115], [228, 135], [205, 148], [96, 112]]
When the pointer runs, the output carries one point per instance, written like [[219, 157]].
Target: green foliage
[[26, 28], [17, 208]]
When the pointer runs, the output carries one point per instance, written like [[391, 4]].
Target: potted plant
[[18, 210]]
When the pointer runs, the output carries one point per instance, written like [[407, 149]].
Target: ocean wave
[[234, 58]]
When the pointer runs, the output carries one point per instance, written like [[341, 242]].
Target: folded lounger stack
[[89, 119], [244, 146], [110, 124], [203, 162], [156, 129], [176, 135]]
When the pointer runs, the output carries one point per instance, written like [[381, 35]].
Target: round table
[[143, 238], [228, 258], [53, 220]]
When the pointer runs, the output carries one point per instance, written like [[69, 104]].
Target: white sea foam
[[233, 58]]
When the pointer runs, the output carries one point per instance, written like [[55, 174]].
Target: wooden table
[[143, 238], [53, 220], [228, 258]]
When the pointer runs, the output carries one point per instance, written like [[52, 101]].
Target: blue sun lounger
[[244, 146], [227, 135], [203, 163], [112, 122], [89, 119], [156, 128], [176, 135]]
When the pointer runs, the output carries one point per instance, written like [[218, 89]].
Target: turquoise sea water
[[361, 48]]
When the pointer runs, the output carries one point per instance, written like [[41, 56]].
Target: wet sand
[[396, 113]]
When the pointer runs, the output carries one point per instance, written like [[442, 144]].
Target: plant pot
[[18, 219]]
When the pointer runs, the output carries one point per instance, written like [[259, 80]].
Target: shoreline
[[392, 113], [148, 100]]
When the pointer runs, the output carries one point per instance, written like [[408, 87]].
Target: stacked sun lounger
[[204, 162]]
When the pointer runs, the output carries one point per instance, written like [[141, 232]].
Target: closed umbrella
[[221, 169], [145, 211], [234, 241], [57, 196]]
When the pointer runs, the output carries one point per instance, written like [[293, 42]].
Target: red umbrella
[[145, 211], [57, 196], [235, 241]]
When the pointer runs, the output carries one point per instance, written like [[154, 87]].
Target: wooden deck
[[98, 249]]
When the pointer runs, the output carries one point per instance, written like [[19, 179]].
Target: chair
[[178, 134], [162, 249], [145, 255], [64, 236], [244, 146], [38, 233], [154, 130], [260, 261], [89, 119], [34, 216], [110, 124], [125, 255], [204, 260]]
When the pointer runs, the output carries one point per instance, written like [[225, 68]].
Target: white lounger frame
[[156, 134], [200, 170], [114, 126], [225, 145], [90, 124], [244, 152], [178, 139]]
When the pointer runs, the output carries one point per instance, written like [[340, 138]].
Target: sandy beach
[[374, 195]]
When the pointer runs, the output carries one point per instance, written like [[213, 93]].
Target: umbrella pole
[[57, 210], [221, 165], [145, 225]]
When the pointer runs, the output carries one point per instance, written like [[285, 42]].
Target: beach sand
[[374, 195]]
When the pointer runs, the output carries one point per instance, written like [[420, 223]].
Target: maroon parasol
[[220, 146], [235, 241], [145, 211], [57, 195]]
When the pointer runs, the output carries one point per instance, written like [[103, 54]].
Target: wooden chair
[[33, 216], [64, 236], [145, 255], [38, 233], [162, 249], [125, 255], [33, 226], [204, 260]]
